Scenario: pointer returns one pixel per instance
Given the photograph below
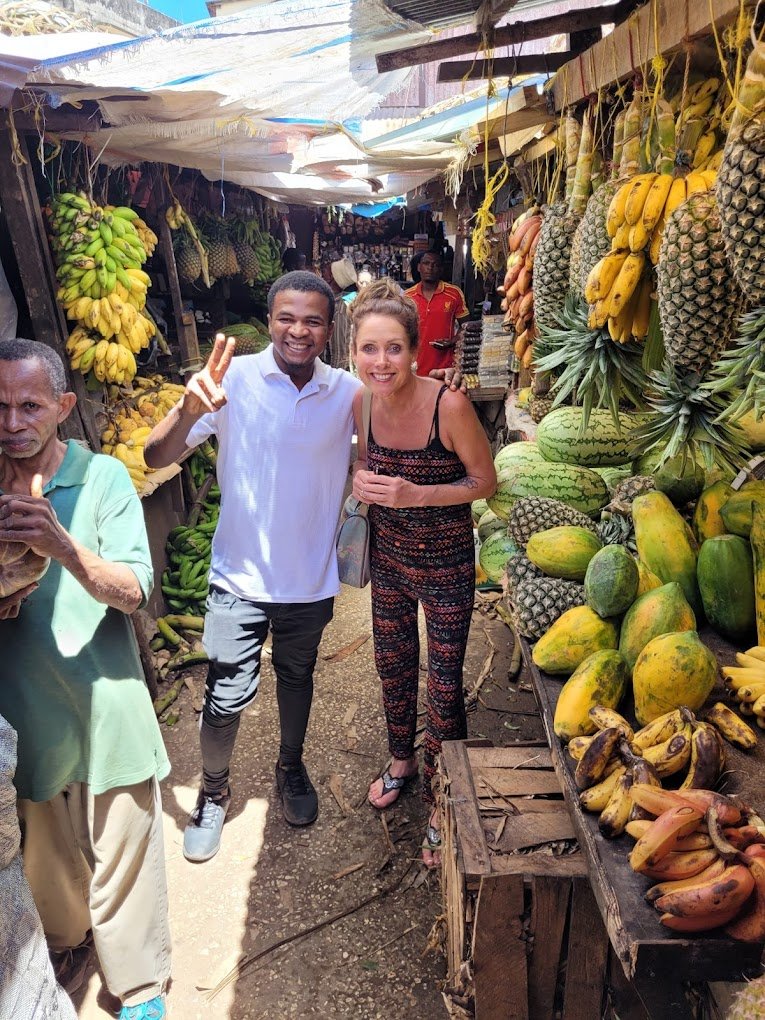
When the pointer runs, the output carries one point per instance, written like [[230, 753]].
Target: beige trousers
[[97, 862]]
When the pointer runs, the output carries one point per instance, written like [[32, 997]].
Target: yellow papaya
[[753, 430], [647, 580], [663, 610], [665, 545], [672, 670], [574, 636], [564, 551], [736, 512], [757, 540], [599, 680], [707, 519]]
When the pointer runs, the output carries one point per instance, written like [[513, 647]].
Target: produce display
[[99, 252]]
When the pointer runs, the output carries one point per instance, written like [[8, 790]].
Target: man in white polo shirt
[[284, 424]]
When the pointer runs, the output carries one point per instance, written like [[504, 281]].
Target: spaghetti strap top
[[446, 531]]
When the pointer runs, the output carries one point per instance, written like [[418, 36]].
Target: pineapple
[[616, 529], [217, 259], [698, 296], [188, 262], [551, 263], [247, 260], [749, 1003], [741, 197], [539, 407], [538, 602], [594, 241], [531, 514], [232, 266], [519, 568], [629, 489]]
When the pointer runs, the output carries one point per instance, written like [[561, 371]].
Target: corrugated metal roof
[[435, 12]]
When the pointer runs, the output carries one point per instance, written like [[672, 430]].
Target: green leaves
[[742, 368]]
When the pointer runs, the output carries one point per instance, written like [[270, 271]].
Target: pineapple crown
[[594, 371], [688, 423], [742, 368]]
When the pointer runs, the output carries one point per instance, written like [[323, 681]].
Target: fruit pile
[[706, 852], [189, 546], [517, 286], [131, 419], [99, 253]]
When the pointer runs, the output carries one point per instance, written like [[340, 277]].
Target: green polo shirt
[[71, 682]]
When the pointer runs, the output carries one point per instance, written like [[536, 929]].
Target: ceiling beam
[[508, 35], [502, 67], [611, 59]]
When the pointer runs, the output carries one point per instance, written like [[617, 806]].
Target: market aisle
[[270, 882]]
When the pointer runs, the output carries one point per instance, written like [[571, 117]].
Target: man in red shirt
[[440, 306]]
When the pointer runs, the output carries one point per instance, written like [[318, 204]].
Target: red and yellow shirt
[[438, 319]]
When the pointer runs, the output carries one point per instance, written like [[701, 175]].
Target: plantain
[[671, 756], [732, 728], [707, 758], [625, 283], [596, 797], [659, 730], [614, 817], [593, 762], [604, 718]]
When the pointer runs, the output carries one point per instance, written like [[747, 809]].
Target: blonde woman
[[425, 460]]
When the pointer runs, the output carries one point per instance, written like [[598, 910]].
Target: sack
[[353, 534], [353, 539]]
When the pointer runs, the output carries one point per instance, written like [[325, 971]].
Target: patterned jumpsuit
[[421, 554]]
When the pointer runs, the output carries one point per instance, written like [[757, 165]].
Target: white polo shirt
[[282, 466]]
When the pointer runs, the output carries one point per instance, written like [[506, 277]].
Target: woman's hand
[[383, 490]]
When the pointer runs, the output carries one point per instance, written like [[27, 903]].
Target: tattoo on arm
[[466, 483]]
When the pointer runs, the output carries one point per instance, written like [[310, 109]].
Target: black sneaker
[[299, 800]]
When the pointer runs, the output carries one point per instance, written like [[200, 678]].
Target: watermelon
[[517, 453], [494, 554], [477, 509], [488, 524], [561, 439], [578, 487], [613, 475]]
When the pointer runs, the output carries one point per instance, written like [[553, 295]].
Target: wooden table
[[656, 960]]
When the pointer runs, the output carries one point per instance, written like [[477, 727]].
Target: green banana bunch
[[184, 582]]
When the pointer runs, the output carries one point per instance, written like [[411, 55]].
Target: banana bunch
[[706, 853], [184, 583], [99, 254], [619, 286], [148, 238], [267, 252], [518, 300], [131, 421], [610, 761], [747, 682]]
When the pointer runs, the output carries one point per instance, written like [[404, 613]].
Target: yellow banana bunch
[[99, 252], [175, 215]]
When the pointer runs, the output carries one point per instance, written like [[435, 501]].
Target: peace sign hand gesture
[[203, 390]]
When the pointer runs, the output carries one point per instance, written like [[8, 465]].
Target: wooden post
[[185, 326], [18, 196]]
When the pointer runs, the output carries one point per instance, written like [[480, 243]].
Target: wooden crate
[[525, 939]]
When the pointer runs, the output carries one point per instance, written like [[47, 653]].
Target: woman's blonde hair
[[384, 297]]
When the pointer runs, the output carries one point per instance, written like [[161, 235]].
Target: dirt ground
[[270, 883]]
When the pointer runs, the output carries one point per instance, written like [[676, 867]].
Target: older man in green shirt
[[89, 750]]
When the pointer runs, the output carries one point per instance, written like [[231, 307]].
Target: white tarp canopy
[[270, 98]]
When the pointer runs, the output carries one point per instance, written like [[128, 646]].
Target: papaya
[[737, 511], [757, 540], [672, 670], [599, 680], [663, 610], [753, 429], [564, 551], [664, 544], [707, 519], [574, 636], [726, 582], [647, 580], [680, 478], [611, 581]]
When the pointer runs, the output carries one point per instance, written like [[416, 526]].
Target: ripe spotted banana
[[732, 728]]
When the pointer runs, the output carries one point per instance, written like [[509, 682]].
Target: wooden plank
[[515, 783], [499, 952], [185, 325], [462, 797], [526, 805], [530, 830], [549, 908], [508, 35], [18, 196], [511, 757], [642, 945], [587, 956], [540, 863], [616, 56], [510, 67]]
